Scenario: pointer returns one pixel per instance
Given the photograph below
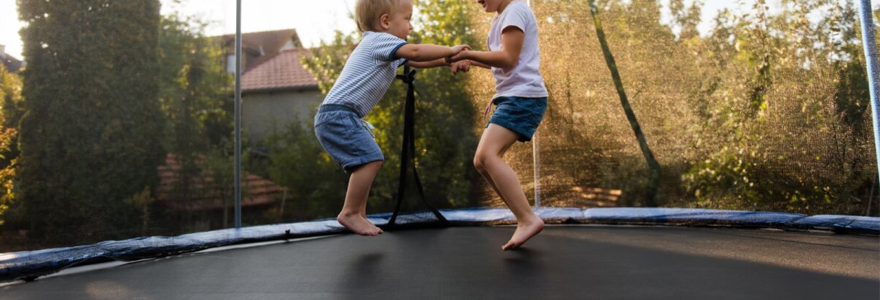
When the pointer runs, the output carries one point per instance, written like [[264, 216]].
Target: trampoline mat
[[564, 262]]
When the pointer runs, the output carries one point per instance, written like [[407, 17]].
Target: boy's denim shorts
[[519, 114], [346, 137]]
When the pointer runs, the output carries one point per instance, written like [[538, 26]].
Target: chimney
[[2, 52]]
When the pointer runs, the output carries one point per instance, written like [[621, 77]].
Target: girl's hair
[[368, 12]]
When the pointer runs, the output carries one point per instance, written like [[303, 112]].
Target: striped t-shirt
[[369, 71]]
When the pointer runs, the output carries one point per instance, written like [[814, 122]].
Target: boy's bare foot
[[524, 231], [358, 224]]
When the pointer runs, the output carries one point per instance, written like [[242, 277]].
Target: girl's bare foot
[[378, 230], [364, 214], [358, 224], [524, 231]]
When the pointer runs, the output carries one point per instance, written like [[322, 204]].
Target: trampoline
[[614, 253], [595, 253], [564, 262]]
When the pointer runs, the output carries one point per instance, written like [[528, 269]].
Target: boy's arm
[[440, 62], [426, 52], [511, 45]]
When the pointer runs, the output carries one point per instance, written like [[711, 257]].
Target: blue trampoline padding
[[840, 223], [692, 216], [31, 264]]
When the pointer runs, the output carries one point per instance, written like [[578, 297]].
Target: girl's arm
[[511, 45], [478, 64], [427, 52]]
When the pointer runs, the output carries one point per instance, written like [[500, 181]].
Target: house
[[12, 64], [276, 93], [276, 89]]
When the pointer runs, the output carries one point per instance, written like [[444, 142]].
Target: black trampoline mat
[[564, 262]]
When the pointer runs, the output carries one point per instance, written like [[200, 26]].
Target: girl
[[521, 99]]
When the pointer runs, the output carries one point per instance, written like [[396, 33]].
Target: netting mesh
[[746, 105], [760, 112]]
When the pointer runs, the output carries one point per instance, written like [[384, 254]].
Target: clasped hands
[[457, 63]]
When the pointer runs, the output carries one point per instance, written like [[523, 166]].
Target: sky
[[314, 20]]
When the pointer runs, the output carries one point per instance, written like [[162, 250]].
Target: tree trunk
[[653, 165]]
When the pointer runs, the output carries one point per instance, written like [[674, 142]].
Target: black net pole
[[408, 149]]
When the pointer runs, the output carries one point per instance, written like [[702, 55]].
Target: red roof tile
[[257, 190], [270, 42], [284, 71]]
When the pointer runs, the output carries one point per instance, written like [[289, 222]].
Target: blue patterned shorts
[[520, 115], [346, 137]]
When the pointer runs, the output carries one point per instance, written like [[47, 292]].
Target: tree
[[654, 166], [786, 120], [89, 138], [10, 93]]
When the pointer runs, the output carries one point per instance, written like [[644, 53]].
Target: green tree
[[89, 138], [10, 93], [788, 113]]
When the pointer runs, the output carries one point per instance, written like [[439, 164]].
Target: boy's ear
[[385, 21]]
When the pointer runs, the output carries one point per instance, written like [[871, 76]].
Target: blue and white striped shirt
[[369, 71]]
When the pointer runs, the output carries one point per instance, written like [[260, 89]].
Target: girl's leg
[[353, 211], [488, 161]]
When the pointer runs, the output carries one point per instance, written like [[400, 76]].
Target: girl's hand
[[458, 57], [461, 66]]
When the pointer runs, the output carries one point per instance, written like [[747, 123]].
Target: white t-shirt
[[524, 80]]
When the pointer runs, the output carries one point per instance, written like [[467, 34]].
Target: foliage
[[10, 93], [299, 163], [765, 111]]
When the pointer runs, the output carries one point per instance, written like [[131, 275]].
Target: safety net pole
[[408, 151], [536, 159], [238, 114], [870, 43]]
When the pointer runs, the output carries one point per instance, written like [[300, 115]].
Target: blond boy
[[369, 71]]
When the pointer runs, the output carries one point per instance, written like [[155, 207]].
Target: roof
[[11, 63], [258, 191], [271, 43], [284, 71]]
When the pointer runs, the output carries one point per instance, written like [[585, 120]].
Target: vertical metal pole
[[870, 43], [536, 159], [536, 162], [238, 114]]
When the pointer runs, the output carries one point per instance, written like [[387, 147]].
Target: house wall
[[263, 111]]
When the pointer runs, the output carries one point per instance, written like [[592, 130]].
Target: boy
[[521, 100], [369, 71]]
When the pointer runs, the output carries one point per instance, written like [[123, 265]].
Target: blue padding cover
[[691, 216], [841, 223], [31, 264]]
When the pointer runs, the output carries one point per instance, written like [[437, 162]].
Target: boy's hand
[[457, 50], [458, 57], [461, 66]]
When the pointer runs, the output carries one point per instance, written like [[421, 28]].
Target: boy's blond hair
[[368, 12]]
